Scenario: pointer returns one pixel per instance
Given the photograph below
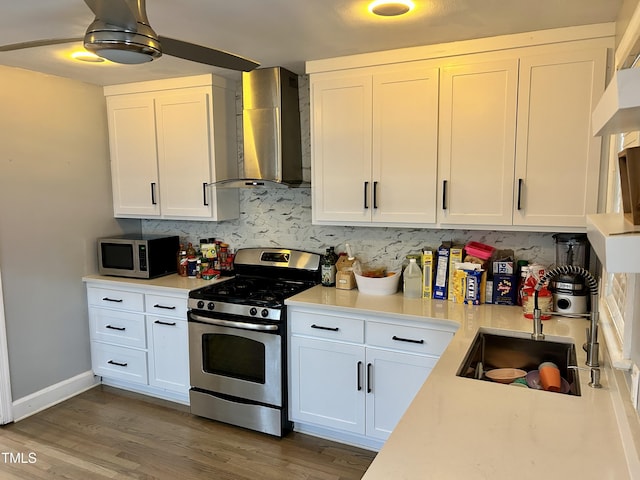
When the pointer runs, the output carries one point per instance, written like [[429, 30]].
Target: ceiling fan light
[[385, 8], [129, 57]]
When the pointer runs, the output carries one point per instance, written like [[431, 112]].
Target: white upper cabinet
[[169, 139], [374, 141], [477, 142], [557, 157], [489, 134]]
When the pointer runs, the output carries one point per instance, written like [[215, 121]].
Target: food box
[[442, 272], [427, 272], [504, 289], [503, 267], [455, 256]]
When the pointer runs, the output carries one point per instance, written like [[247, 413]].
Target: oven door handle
[[230, 323]]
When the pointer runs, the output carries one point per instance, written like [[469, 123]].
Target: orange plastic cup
[[550, 376]]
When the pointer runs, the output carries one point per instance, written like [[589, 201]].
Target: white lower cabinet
[[139, 339], [356, 377]]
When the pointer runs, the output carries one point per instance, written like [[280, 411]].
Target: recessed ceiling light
[[85, 56], [386, 8]]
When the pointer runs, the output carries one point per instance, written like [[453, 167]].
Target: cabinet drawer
[[120, 299], [163, 305], [409, 339], [327, 326], [123, 363], [121, 328]]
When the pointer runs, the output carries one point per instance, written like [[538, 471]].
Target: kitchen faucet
[[591, 346]]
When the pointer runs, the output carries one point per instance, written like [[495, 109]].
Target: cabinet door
[[184, 153], [341, 149], [477, 143], [327, 384], [557, 157], [168, 353], [405, 146], [134, 168], [393, 379]]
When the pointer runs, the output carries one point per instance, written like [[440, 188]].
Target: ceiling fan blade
[[116, 12], [38, 43], [209, 56]]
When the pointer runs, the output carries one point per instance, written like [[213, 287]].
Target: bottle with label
[[412, 280], [192, 262], [182, 261], [328, 269]]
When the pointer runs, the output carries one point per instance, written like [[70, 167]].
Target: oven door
[[245, 363]]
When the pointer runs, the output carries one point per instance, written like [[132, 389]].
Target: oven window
[[233, 356]]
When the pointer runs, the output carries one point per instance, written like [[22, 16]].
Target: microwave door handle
[[230, 323]]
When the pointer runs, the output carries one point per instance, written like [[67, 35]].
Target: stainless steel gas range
[[237, 339]]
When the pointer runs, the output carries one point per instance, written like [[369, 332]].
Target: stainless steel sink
[[506, 349]]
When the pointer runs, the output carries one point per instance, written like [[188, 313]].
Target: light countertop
[[460, 428], [173, 283]]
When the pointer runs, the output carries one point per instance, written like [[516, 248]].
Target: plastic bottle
[[328, 269], [413, 280]]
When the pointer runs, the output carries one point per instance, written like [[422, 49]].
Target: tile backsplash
[[282, 218]]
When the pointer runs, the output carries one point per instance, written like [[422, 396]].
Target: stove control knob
[[200, 304], [264, 313], [253, 311], [211, 305]]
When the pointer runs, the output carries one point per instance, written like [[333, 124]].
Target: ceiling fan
[[121, 33]]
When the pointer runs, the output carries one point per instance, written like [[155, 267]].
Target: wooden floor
[[107, 433]]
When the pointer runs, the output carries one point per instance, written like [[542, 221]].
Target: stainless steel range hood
[[271, 130]]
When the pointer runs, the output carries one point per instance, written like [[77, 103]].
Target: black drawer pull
[[117, 300], [359, 376], [111, 362], [410, 340], [520, 182], [120, 329], [369, 389], [169, 324], [444, 194], [366, 193], [164, 306], [320, 327]]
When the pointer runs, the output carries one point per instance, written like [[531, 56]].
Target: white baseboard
[[47, 397], [354, 440]]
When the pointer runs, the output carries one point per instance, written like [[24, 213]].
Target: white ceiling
[[278, 32]]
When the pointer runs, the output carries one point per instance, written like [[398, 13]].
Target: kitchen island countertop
[[460, 428]]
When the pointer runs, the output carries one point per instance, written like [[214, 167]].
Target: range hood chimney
[[271, 130]]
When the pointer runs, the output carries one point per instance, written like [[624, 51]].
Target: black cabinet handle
[[520, 182], [118, 364], [153, 193], [116, 300], [164, 306], [169, 324], [120, 329], [444, 194], [359, 376], [320, 327], [366, 191], [375, 194], [204, 194], [410, 340], [369, 366]]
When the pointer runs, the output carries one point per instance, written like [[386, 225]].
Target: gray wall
[[55, 200]]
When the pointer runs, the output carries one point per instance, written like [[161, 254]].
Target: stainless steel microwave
[[138, 255]]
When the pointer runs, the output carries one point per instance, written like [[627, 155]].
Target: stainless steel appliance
[[138, 255], [271, 130], [237, 339], [570, 294]]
